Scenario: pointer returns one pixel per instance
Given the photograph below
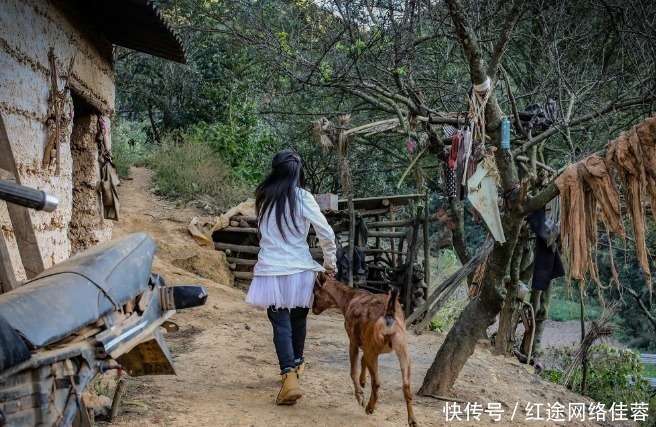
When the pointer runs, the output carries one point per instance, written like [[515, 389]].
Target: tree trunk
[[458, 218], [477, 316], [153, 125], [507, 325], [461, 341]]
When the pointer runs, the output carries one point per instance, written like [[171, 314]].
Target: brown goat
[[375, 324]]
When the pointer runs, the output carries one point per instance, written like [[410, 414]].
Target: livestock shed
[[56, 101], [385, 238]]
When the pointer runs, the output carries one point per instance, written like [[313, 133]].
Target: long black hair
[[279, 188]]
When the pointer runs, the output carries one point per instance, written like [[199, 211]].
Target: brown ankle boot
[[300, 368], [291, 389]]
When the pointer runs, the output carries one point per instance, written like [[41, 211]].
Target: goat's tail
[[391, 304]]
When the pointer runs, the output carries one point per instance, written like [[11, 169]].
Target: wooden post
[[243, 275], [351, 237], [377, 218], [20, 216], [426, 244], [409, 263], [392, 242], [7, 277]]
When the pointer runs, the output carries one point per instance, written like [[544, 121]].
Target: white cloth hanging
[[483, 196]]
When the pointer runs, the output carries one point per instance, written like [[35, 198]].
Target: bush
[[240, 145], [128, 142], [190, 170], [614, 375]]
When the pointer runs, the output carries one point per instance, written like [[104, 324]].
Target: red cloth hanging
[[456, 140]]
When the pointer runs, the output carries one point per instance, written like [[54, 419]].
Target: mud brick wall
[[28, 29]]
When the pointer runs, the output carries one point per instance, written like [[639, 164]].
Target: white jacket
[[279, 257]]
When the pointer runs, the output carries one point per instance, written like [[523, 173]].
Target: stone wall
[[28, 30]]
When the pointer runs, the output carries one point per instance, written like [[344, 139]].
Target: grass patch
[[564, 310], [192, 170], [649, 371]]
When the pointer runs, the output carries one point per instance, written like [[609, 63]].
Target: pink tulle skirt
[[289, 291]]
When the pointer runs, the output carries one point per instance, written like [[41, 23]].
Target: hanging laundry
[[548, 264], [456, 142], [411, 146], [361, 232], [359, 267], [450, 182], [461, 164], [536, 116], [483, 196]]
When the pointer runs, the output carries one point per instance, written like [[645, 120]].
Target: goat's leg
[[363, 372], [353, 355], [401, 348], [372, 365]]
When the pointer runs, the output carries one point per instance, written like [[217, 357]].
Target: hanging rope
[[477, 102]]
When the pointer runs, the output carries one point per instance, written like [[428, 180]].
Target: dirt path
[[227, 370]]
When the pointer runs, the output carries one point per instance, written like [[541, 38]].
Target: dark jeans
[[289, 328]]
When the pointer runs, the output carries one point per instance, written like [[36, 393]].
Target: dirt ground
[[226, 364]]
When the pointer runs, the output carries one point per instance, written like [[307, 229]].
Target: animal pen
[[385, 237]]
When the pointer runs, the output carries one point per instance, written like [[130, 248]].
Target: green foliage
[[649, 371], [446, 265], [128, 142], [564, 310], [449, 312], [190, 170], [325, 71], [614, 375], [241, 144]]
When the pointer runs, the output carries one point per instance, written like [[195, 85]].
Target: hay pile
[[589, 192]]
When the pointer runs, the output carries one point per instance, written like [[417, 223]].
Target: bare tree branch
[[504, 37]]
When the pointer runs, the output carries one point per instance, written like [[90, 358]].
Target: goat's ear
[[321, 279]]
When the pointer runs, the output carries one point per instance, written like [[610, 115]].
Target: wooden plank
[[390, 234], [381, 251], [243, 218], [389, 224], [237, 248], [7, 277], [21, 221], [243, 275], [383, 282], [385, 268], [241, 261], [379, 202], [240, 230], [334, 216]]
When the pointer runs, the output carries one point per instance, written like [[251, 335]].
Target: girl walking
[[285, 272]]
